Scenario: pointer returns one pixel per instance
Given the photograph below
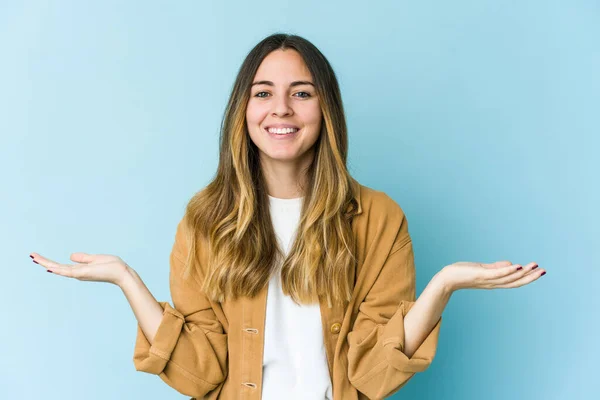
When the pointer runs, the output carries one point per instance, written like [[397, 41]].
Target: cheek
[[255, 113], [313, 122], [313, 117], [313, 114]]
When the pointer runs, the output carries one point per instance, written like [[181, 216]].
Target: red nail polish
[[519, 268], [534, 267], [49, 270], [30, 256], [35, 261], [543, 273]]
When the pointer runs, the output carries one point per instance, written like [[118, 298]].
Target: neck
[[285, 179]]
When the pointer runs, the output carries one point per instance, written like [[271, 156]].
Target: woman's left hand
[[498, 275]]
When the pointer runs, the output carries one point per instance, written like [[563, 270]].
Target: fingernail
[[534, 267], [49, 270], [519, 268], [30, 256], [35, 261], [543, 273]]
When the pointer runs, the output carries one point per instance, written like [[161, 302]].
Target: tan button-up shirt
[[211, 350]]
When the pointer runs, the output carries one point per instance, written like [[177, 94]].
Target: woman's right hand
[[88, 267]]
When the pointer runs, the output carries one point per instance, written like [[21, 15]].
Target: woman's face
[[283, 95]]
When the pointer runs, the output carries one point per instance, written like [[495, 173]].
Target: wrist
[[127, 279], [445, 284]]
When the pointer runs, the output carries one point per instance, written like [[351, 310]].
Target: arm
[[425, 313], [146, 309], [377, 363], [186, 344]]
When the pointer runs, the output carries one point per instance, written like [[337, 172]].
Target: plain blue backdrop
[[480, 118]]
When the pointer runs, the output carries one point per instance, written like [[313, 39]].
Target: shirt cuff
[[153, 358], [393, 343]]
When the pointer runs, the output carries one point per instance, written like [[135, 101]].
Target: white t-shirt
[[294, 360]]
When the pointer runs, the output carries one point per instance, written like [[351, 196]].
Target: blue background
[[480, 118]]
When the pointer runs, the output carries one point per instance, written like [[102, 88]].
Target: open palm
[[88, 267], [497, 275]]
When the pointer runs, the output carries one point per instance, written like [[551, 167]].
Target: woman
[[284, 217]]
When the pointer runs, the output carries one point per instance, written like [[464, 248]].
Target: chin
[[280, 157], [283, 156]]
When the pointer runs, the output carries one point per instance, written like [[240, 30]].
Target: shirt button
[[335, 328]]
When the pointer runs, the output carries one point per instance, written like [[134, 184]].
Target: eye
[[260, 94], [306, 93]]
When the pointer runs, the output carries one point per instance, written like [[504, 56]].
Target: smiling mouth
[[286, 132]]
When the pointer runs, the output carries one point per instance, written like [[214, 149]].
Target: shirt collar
[[356, 189]]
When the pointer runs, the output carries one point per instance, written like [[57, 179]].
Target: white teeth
[[283, 131]]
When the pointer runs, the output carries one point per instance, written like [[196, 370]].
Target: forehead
[[283, 66]]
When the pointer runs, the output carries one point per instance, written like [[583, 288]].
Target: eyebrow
[[295, 83]]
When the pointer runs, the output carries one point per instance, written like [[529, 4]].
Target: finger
[[497, 264], [44, 262], [52, 266], [73, 271], [492, 274], [530, 277], [82, 257], [513, 276]]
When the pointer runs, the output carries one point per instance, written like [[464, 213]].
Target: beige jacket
[[211, 350]]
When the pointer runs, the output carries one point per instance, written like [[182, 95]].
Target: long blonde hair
[[231, 214]]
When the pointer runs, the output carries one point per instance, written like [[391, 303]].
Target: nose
[[281, 106]]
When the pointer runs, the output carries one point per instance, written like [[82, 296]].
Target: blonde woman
[[289, 279]]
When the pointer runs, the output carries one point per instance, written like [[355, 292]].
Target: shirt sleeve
[[189, 351], [377, 365]]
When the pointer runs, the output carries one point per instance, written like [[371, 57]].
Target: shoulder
[[382, 221], [186, 240], [378, 204]]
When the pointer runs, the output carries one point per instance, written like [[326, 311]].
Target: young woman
[[289, 279]]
